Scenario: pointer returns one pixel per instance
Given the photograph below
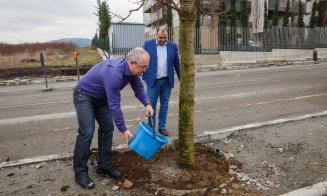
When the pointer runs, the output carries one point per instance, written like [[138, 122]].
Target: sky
[[33, 21]]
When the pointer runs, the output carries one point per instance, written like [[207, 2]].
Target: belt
[[162, 78]]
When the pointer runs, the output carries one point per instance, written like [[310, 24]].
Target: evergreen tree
[[222, 17], [300, 22], [275, 14], [244, 21], [169, 20], [265, 22], [95, 39], [313, 15], [320, 18], [222, 23], [244, 14], [287, 12], [233, 16], [104, 18], [197, 24]]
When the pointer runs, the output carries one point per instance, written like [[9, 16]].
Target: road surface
[[35, 123]]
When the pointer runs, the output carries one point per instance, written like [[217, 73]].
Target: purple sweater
[[106, 79]]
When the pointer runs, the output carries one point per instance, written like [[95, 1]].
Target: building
[[155, 14]]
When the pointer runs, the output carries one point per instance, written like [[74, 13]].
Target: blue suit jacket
[[172, 62]]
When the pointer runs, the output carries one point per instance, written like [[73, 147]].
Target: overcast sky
[[45, 20]]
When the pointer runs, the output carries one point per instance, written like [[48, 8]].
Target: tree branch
[[140, 3], [210, 13], [174, 6]]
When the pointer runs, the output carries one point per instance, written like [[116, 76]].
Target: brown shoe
[[163, 131]]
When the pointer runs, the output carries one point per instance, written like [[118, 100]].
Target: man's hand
[[148, 110], [127, 136]]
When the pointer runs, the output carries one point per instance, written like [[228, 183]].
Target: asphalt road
[[35, 123]]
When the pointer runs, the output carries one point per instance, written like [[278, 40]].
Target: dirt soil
[[265, 161], [158, 176]]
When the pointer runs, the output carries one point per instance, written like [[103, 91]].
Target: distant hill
[[80, 42]]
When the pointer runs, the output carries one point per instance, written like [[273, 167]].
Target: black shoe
[[111, 172], [85, 182], [163, 131]]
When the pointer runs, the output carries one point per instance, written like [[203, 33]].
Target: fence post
[[45, 74], [315, 56]]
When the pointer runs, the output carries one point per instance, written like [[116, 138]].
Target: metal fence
[[212, 39], [123, 37], [233, 39], [103, 43]]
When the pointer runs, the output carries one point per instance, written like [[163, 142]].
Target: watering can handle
[[152, 126]]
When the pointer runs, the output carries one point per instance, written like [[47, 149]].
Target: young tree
[[320, 18], [276, 14], [186, 13], [186, 10], [286, 15], [104, 18], [300, 22], [313, 15], [266, 20]]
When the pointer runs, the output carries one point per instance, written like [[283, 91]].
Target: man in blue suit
[[159, 76]]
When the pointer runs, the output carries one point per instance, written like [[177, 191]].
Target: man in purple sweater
[[97, 97]]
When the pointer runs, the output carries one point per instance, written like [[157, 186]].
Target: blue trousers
[[161, 89], [88, 110]]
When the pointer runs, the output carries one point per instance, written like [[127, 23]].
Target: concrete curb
[[223, 133], [318, 189]]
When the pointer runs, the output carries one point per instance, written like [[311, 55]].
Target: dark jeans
[[161, 89], [88, 110]]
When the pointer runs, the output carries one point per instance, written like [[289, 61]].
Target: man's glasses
[[142, 66]]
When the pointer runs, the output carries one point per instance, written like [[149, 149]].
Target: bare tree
[[186, 10]]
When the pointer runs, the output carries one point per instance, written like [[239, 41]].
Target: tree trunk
[[186, 98]]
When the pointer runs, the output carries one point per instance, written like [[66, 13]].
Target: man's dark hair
[[162, 28]]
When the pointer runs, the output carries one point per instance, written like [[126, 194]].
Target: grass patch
[[56, 55]]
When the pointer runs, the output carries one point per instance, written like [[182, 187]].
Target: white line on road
[[37, 118], [196, 99], [34, 104]]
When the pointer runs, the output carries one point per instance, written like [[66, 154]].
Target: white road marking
[[44, 117]]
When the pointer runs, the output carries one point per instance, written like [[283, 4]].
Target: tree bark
[[186, 98]]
